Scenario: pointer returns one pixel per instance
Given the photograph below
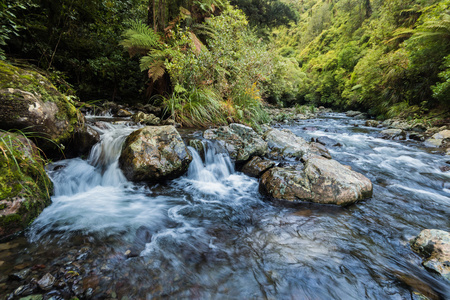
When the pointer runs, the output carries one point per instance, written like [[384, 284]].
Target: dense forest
[[212, 61]]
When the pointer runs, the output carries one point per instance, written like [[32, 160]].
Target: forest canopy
[[212, 61]]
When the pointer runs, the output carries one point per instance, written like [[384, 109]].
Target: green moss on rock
[[29, 100], [24, 185]]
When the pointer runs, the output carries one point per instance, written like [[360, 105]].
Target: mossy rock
[[30, 102], [24, 185]]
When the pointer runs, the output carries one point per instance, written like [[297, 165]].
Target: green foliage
[[383, 56]]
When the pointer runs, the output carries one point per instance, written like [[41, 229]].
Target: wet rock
[[123, 113], [444, 168], [83, 140], [147, 119], [257, 166], [154, 153], [372, 123], [285, 144], [30, 102], [322, 181], [434, 246], [46, 282], [33, 297], [393, 134], [352, 113], [416, 136], [241, 142], [19, 276], [25, 187], [439, 139], [24, 290], [198, 146], [325, 141]]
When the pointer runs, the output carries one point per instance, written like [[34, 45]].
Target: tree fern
[[140, 38]]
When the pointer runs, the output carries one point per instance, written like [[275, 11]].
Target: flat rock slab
[[321, 181], [154, 153]]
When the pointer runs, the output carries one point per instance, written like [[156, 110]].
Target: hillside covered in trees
[[215, 62]]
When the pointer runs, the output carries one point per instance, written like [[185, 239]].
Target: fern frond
[[139, 39], [156, 70]]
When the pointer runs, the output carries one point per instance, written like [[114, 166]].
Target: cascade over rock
[[285, 144], [30, 102], [241, 141], [24, 185], [321, 180], [154, 153], [434, 245]]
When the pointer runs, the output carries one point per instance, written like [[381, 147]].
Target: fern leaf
[[156, 70], [139, 39]]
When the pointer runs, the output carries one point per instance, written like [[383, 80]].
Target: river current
[[210, 234]]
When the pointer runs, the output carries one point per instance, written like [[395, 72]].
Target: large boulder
[[30, 102], [321, 180], [241, 142], [154, 153], [285, 144], [24, 185], [434, 245]]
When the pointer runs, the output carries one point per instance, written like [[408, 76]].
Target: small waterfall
[[217, 166], [73, 176]]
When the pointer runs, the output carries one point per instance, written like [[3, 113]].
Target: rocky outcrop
[[320, 180], [285, 144], [241, 142], [372, 123], [24, 185], [153, 154], [29, 101], [434, 246], [257, 166]]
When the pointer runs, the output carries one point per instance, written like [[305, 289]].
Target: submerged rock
[[434, 245], [241, 142], [154, 153], [46, 282], [29, 101], [257, 166], [321, 181], [24, 185], [285, 144]]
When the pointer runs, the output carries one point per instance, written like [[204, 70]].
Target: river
[[210, 234]]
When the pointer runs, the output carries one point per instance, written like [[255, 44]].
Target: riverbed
[[210, 234]]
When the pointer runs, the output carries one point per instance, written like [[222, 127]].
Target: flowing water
[[210, 234]]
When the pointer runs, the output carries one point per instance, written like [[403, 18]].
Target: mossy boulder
[[154, 153], [30, 102], [24, 185]]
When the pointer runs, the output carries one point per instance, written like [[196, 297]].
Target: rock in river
[[154, 153], [321, 180], [257, 166], [241, 141], [284, 144], [434, 245]]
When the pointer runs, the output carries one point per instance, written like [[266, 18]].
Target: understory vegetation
[[214, 62]]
